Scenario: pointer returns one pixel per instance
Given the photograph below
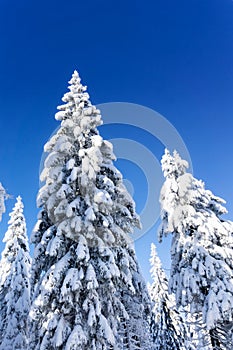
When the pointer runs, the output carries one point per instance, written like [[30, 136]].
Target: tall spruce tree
[[88, 291], [167, 327], [14, 283], [202, 249]]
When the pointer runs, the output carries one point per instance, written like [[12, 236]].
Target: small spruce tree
[[167, 329], [14, 283], [3, 196]]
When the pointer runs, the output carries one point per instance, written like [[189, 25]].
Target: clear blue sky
[[175, 57]]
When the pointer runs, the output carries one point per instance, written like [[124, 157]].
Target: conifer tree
[[3, 196], [14, 283], [202, 249], [88, 290], [167, 329]]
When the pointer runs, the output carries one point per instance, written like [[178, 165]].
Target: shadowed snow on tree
[[14, 283], [202, 249], [88, 292]]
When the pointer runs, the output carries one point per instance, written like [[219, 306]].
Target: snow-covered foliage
[[3, 196], [198, 337], [14, 283], [167, 329], [202, 246], [88, 290]]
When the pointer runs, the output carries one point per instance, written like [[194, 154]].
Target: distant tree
[[88, 290], [202, 249], [14, 283], [3, 196], [167, 329]]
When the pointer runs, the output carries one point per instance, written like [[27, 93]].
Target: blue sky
[[175, 57]]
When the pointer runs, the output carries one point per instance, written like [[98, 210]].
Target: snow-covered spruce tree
[[14, 283], [88, 290], [202, 249], [3, 196], [167, 329]]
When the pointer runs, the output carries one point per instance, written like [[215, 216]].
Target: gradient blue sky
[[175, 57]]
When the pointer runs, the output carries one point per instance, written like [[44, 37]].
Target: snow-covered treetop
[[83, 190], [3, 196], [156, 266], [173, 165], [159, 288], [182, 196], [76, 100], [16, 235]]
